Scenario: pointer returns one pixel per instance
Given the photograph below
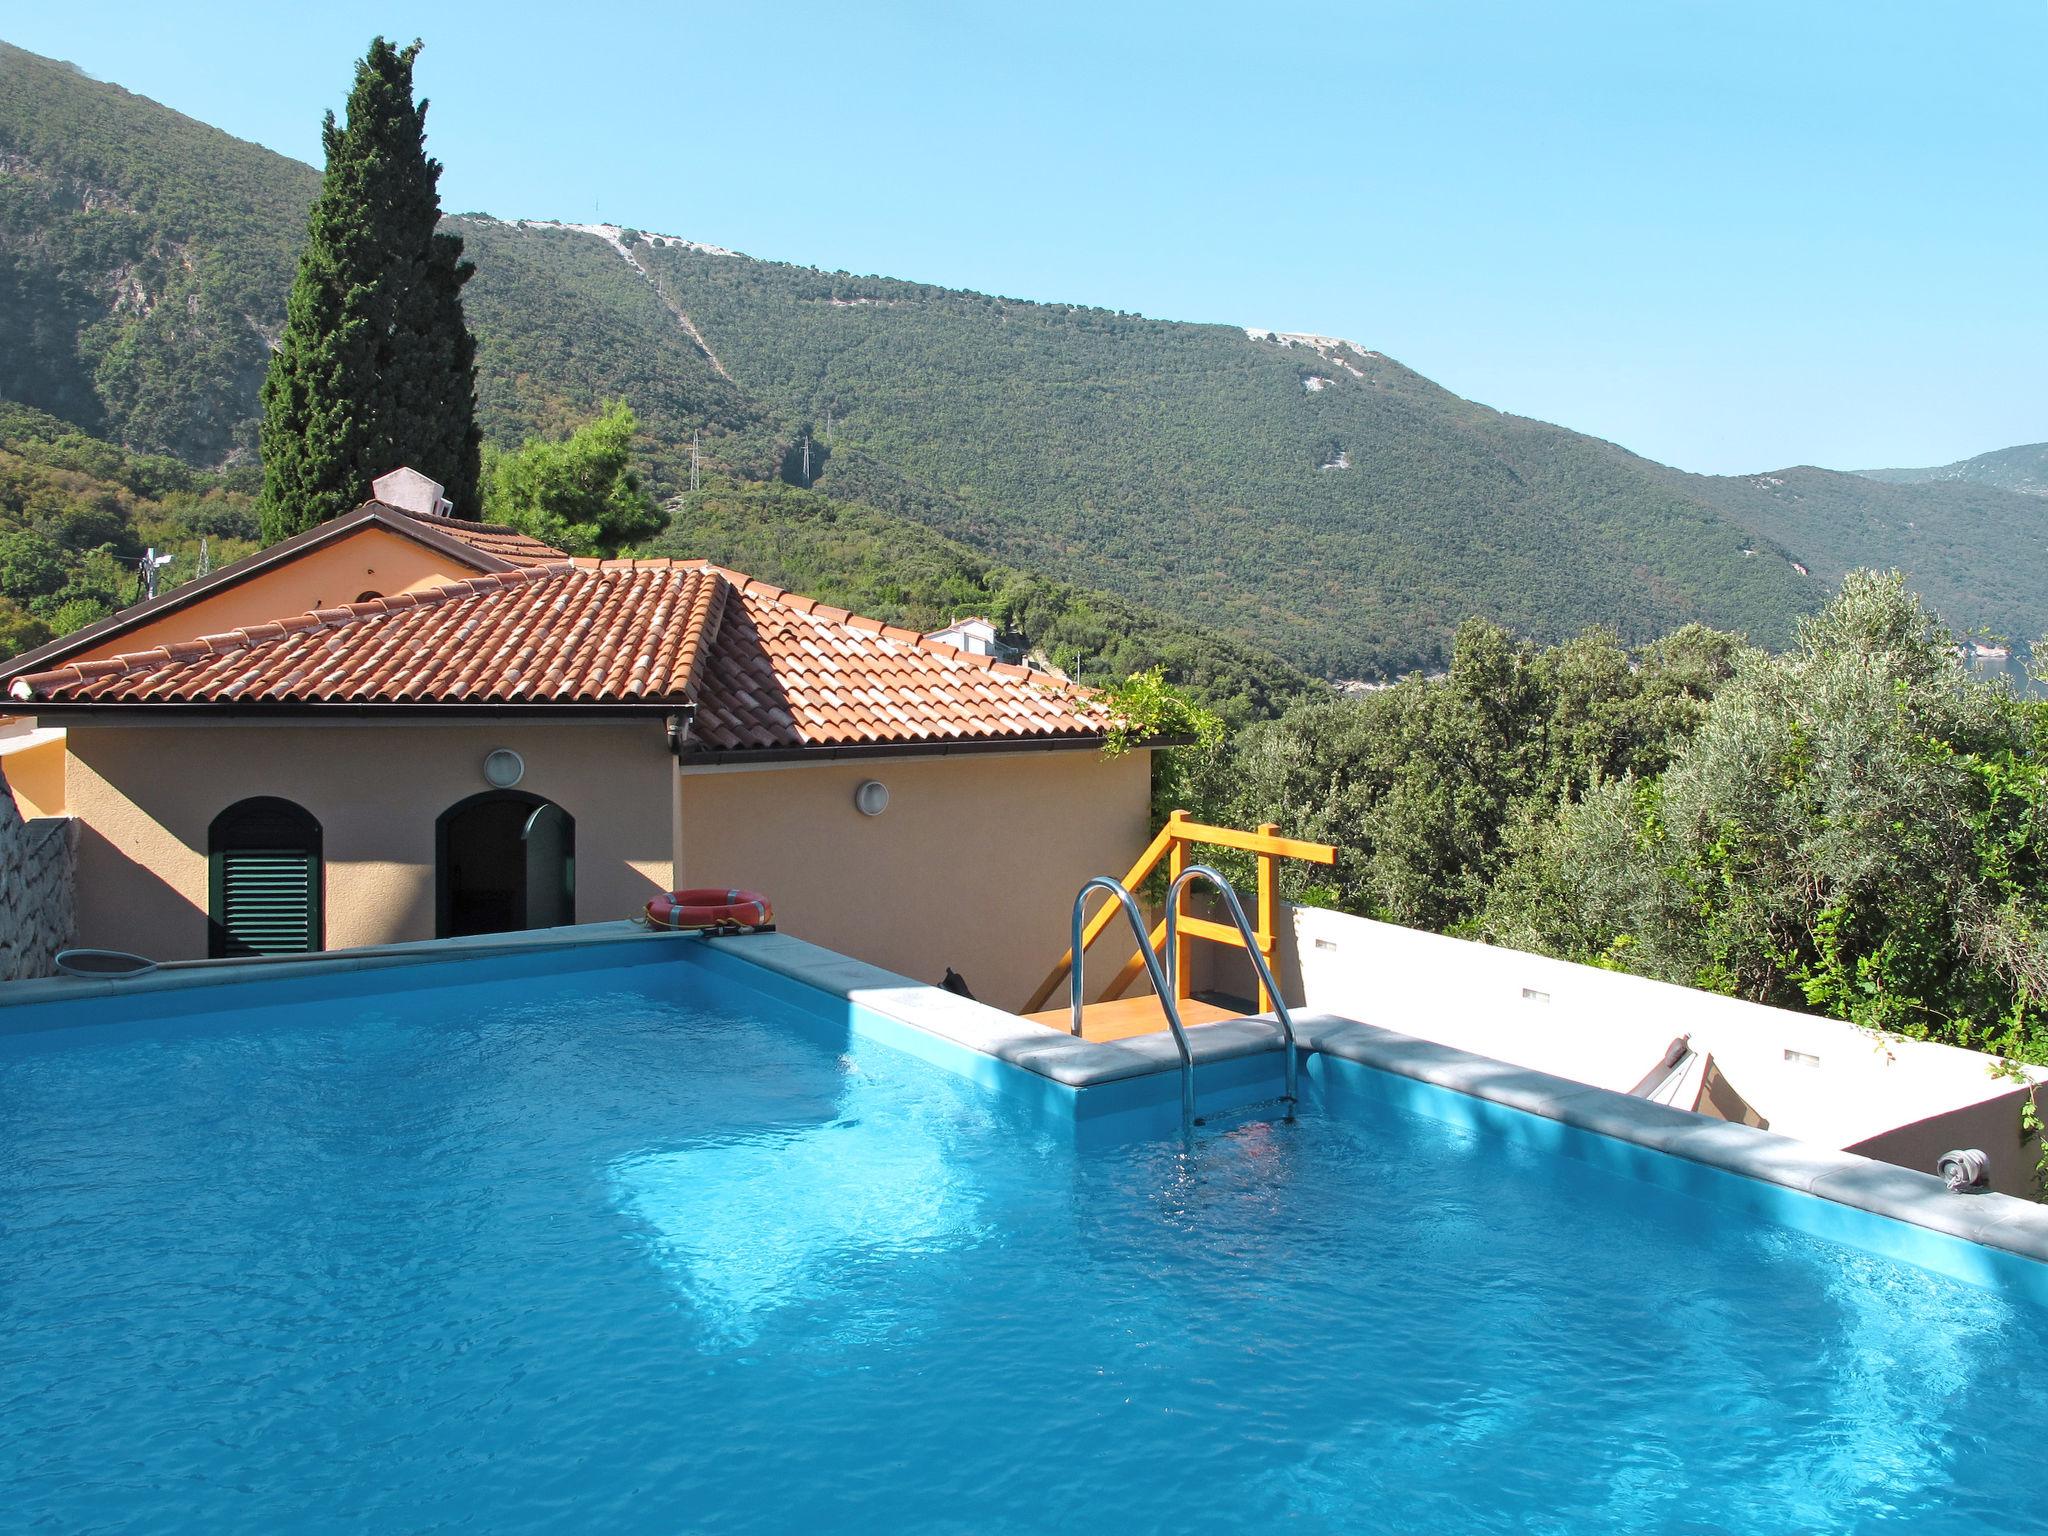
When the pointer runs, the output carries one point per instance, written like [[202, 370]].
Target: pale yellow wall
[[144, 797], [369, 560], [974, 864], [35, 772]]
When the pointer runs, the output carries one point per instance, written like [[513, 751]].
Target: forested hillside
[[1977, 552], [1322, 498], [1308, 496], [2023, 469], [77, 515], [564, 324], [144, 259]]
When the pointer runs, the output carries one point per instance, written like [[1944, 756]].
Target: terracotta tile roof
[[543, 634], [508, 544], [789, 672], [766, 669]]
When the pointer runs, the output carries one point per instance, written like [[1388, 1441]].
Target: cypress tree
[[376, 367]]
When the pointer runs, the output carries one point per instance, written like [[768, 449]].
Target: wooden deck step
[[1129, 1016]]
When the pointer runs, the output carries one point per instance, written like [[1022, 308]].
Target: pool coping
[[1996, 1221], [2003, 1222], [177, 975]]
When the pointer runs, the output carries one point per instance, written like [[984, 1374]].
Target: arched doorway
[[504, 860], [264, 879]]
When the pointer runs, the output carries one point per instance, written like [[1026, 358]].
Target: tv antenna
[[152, 562]]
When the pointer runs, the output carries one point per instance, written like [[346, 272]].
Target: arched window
[[504, 861], [265, 879]]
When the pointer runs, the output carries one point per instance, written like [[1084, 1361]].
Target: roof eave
[[170, 711], [694, 756]]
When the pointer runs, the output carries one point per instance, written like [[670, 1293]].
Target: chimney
[[410, 491]]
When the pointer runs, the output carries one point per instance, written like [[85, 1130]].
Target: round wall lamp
[[871, 797], [504, 768]]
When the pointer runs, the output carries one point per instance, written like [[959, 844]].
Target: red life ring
[[710, 909]]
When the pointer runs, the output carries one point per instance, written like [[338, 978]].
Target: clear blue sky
[[1731, 236]]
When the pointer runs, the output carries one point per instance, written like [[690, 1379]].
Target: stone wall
[[36, 910]]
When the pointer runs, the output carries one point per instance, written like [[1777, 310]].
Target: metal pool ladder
[[1251, 948], [1160, 983], [1164, 982]]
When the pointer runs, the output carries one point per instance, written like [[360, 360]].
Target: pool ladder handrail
[[1251, 948], [1160, 983]]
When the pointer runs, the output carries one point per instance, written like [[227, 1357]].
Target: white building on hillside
[[977, 637]]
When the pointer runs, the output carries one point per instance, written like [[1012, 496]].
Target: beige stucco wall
[[974, 864], [145, 795], [34, 764], [368, 560]]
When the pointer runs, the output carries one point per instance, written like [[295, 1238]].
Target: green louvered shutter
[[266, 878]]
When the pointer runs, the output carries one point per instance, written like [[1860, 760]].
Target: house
[[977, 637], [403, 725]]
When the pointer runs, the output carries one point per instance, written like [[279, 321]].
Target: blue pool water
[[632, 1251]]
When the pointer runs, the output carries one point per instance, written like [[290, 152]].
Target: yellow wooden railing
[[1175, 838]]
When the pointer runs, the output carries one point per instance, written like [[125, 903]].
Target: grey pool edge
[[2014, 1226], [177, 975]]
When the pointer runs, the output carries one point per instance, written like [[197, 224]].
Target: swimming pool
[[515, 1245]]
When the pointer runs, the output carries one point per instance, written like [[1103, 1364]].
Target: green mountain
[[1307, 492], [564, 323], [1304, 494], [1977, 553], [2023, 469], [144, 259]]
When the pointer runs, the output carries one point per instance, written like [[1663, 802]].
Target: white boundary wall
[[1819, 1080]]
